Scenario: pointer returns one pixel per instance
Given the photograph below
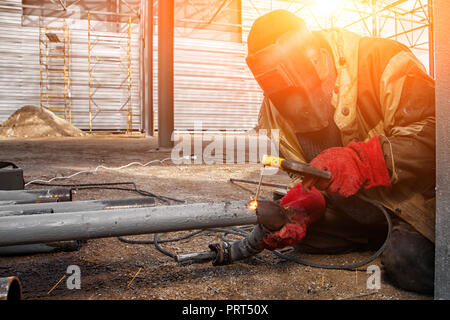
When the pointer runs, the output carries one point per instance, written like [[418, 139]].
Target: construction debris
[[36, 122]]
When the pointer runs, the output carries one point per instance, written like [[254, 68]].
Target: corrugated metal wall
[[213, 85], [212, 82]]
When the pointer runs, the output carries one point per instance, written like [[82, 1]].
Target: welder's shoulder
[[376, 53]]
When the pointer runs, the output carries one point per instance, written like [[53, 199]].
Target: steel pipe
[[15, 230], [10, 288], [75, 206], [34, 196], [27, 249]]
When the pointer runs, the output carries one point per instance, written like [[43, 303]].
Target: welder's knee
[[409, 260]]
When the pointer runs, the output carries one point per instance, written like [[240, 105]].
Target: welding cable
[[158, 247], [97, 168], [103, 186], [350, 267], [130, 241], [156, 242]]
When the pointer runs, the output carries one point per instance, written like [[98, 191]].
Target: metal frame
[[55, 68], [410, 19], [120, 64]]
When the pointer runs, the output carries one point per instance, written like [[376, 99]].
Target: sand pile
[[37, 122]]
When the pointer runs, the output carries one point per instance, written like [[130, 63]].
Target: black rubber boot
[[409, 260]]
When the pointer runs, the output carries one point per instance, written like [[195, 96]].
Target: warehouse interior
[[132, 107]]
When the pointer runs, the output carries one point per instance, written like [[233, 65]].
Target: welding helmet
[[288, 71]]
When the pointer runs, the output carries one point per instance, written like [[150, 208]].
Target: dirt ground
[[111, 269]]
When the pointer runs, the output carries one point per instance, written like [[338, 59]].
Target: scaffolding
[[111, 52], [407, 21], [54, 68]]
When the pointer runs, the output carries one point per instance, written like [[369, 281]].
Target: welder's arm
[[412, 159], [406, 153], [410, 143]]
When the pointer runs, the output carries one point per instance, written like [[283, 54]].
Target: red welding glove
[[359, 165], [301, 209]]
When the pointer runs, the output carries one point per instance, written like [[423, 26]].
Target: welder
[[362, 108]]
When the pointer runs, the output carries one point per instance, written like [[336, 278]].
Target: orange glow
[[252, 205]]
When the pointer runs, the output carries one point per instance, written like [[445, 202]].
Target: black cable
[[130, 241], [156, 242], [351, 267], [158, 247], [102, 186]]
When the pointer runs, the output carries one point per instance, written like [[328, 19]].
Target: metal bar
[[267, 184], [222, 6], [197, 257], [405, 32], [142, 32], [89, 72], [431, 38], [67, 13], [34, 196], [374, 19], [129, 81], [149, 115], [101, 224], [442, 53], [165, 73], [74, 206]]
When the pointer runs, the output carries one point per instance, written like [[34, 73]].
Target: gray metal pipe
[[34, 196], [74, 206], [27, 249], [15, 230], [10, 288]]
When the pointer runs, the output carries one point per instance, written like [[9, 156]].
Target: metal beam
[[442, 54], [34, 196], [165, 73], [74, 206], [431, 39], [15, 230], [148, 112]]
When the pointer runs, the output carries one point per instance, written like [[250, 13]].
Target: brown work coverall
[[383, 90]]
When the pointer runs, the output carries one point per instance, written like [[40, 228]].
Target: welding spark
[[252, 205]]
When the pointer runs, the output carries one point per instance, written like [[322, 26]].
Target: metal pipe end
[[10, 288], [198, 257]]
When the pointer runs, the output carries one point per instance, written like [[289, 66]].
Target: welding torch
[[291, 166]]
